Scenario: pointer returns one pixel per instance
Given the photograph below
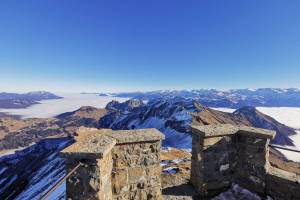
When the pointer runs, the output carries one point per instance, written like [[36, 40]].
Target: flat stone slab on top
[[215, 130], [265, 133], [92, 143], [137, 135], [228, 129]]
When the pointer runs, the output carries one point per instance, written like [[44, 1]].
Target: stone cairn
[[116, 164], [125, 165], [226, 154]]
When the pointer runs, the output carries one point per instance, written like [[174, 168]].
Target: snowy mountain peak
[[235, 98]]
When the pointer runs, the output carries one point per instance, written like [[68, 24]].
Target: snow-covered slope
[[174, 116], [170, 116], [28, 174]]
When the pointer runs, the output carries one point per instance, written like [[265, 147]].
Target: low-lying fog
[[70, 102]]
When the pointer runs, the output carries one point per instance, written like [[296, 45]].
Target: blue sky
[[72, 45]]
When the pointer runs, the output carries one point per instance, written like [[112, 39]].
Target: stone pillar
[[214, 158], [116, 164], [283, 185], [253, 163], [226, 154], [92, 180], [136, 169]]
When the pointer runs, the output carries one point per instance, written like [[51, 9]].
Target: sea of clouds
[[70, 102]]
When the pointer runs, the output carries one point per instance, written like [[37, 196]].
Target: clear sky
[[117, 45]]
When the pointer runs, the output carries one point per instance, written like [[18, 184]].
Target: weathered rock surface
[[16, 133], [176, 183], [226, 154], [116, 165]]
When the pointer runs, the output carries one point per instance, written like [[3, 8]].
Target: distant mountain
[[128, 105], [174, 117], [16, 100], [103, 95], [96, 93], [267, 97]]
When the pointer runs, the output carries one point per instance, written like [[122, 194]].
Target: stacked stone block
[[253, 153], [92, 180], [283, 185], [136, 169], [226, 154], [116, 164]]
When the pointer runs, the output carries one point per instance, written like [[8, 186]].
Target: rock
[[115, 164]]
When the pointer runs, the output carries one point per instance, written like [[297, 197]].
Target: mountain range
[[16, 100], [175, 116], [36, 165], [237, 98]]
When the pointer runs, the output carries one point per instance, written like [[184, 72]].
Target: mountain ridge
[[29, 172], [234, 98], [174, 117], [24, 100]]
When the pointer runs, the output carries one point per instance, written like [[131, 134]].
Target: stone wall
[[116, 164], [92, 180], [212, 157], [125, 165], [136, 171], [136, 168], [283, 185], [253, 158], [223, 154]]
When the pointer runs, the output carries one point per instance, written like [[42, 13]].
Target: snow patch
[[228, 110], [170, 170]]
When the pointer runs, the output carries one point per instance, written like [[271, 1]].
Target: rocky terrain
[[18, 133], [15, 100], [32, 170], [28, 173], [176, 166], [266, 97], [174, 117]]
